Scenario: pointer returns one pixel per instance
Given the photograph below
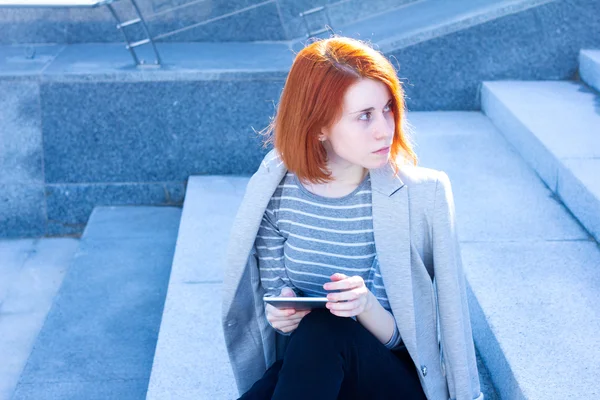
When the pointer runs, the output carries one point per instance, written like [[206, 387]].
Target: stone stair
[[99, 336], [589, 67], [532, 270], [31, 271], [555, 126]]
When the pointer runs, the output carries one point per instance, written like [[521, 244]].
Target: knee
[[321, 322]]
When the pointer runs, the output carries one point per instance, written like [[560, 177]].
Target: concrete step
[[32, 272], [192, 363], [533, 271], [99, 337], [555, 126], [589, 67]]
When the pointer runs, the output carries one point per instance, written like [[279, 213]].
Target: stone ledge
[[589, 67], [554, 126]]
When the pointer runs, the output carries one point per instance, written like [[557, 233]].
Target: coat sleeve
[[269, 249], [455, 325]]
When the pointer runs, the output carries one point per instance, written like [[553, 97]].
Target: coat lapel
[[391, 225]]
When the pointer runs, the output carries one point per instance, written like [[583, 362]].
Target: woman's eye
[[388, 107], [362, 115]]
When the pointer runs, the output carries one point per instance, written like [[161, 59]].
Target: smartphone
[[298, 303]]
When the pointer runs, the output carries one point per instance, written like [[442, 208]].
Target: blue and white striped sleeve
[[269, 250], [395, 340]]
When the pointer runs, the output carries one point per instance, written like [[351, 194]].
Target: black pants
[[330, 357]]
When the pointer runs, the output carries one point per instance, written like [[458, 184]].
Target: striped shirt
[[305, 238]]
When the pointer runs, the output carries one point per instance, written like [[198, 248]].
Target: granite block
[[153, 131], [341, 13], [113, 389], [589, 67], [32, 290], [485, 381], [497, 195], [58, 229], [84, 346], [538, 299], [564, 150], [22, 210], [260, 23], [71, 205], [211, 203], [536, 154], [180, 61], [33, 25], [445, 73], [140, 223], [20, 134], [25, 60], [192, 363], [242, 20], [13, 254], [576, 134], [579, 188]]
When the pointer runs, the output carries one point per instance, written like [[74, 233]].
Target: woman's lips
[[382, 151]]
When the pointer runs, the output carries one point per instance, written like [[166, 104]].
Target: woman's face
[[366, 125]]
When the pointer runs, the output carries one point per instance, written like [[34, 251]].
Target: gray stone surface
[[180, 61], [99, 337], [445, 73], [69, 206], [32, 271], [22, 204], [498, 196], [115, 389], [192, 363], [589, 67], [22, 210], [239, 20], [20, 133], [27, 60], [154, 131], [533, 273], [341, 13], [535, 315], [562, 149], [579, 187], [392, 30], [209, 207], [260, 23]]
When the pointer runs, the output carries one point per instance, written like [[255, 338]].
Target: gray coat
[[415, 239]]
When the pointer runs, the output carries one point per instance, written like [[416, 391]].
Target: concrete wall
[[214, 20]]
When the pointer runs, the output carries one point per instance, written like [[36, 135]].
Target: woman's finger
[[347, 294], [279, 312], [344, 305], [287, 317]]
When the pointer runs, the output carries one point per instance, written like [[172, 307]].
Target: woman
[[339, 209]]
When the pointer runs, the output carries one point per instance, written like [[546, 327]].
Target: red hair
[[312, 98]]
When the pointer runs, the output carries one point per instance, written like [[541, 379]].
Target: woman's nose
[[384, 128]]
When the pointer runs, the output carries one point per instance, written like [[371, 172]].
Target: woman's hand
[[354, 299], [285, 319]]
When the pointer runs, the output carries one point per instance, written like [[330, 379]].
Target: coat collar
[[382, 179], [391, 226]]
